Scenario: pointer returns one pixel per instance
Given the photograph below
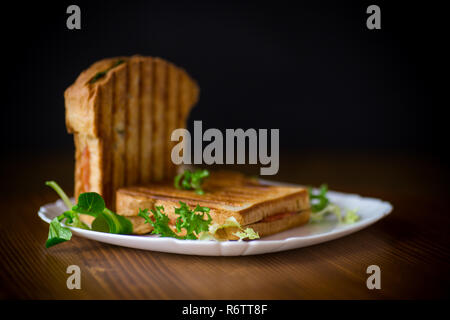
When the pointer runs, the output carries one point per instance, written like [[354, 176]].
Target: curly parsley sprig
[[193, 222]]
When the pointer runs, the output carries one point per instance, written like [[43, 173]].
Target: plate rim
[[245, 245]]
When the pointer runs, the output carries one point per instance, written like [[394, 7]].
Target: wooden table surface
[[411, 246]]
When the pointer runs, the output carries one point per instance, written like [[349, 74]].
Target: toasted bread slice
[[227, 195], [120, 111]]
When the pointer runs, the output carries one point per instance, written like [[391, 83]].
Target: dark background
[[359, 109], [313, 70]]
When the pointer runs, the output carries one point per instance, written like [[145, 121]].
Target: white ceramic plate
[[369, 209]]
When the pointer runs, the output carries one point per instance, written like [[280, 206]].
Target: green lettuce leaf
[[351, 217], [89, 203], [231, 222], [248, 233], [189, 180], [57, 233]]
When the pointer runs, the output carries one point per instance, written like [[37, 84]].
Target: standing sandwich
[[266, 209], [122, 112]]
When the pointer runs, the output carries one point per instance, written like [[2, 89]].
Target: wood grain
[[411, 246]]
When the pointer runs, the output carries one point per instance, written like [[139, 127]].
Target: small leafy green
[[319, 216], [72, 219], [160, 222], [319, 201], [247, 233], [189, 180], [117, 224], [108, 221], [351, 217], [321, 207], [57, 233], [231, 222], [103, 73], [60, 192], [100, 224], [193, 222], [89, 203]]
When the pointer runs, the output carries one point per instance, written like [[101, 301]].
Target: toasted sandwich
[[267, 209], [122, 112]]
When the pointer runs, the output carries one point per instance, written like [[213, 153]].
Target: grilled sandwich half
[[267, 209], [122, 112]]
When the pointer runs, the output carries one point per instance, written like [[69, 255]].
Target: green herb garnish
[[193, 222], [321, 206], [189, 180], [57, 233], [351, 217], [231, 222], [321, 200], [89, 203], [160, 222], [247, 233], [103, 73]]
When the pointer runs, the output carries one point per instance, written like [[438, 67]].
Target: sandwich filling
[[232, 230], [271, 218], [279, 216]]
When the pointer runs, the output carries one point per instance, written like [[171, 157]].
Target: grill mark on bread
[[172, 116], [226, 191], [168, 115], [105, 102], [297, 200], [140, 120], [216, 197], [125, 147], [185, 101], [219, 197], [119, 110], [159, 117], [109, 146], [232, 193], [212, 204], [179, 119], [165, 116], [153, 118], [146, 116], [132, 129]]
